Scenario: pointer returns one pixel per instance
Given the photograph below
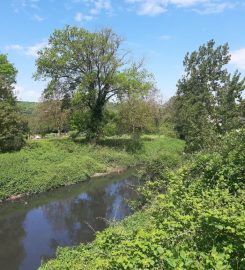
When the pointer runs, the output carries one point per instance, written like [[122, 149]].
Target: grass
[[49, 163], [198, 223]]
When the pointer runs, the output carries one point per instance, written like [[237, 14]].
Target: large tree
[[12, 129], [91, 68], [209, 98]]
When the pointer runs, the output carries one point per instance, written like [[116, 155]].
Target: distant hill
[[27, 107]]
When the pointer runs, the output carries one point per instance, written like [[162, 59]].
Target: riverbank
[[50, 163], [109, 172], [32, 228], [197, 224]]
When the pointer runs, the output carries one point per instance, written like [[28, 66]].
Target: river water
[[33, 228]]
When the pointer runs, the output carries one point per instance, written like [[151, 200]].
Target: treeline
[[133, 117], [96, 90]]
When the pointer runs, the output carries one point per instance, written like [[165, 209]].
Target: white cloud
[[31, 8], [38, 18], [81, 17], [99, 5], [156, 7], [25, 4], [150, 7], [24, 93], [27, 50], [94, 8], [14, 47], [212, 8], [238, 58], [18, 90], [91, 7], [186, 3], [32, 50]]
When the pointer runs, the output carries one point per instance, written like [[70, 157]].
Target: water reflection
[[29, 233], [11, 234]]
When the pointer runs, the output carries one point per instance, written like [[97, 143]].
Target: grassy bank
[[49, 163], [197, 224]]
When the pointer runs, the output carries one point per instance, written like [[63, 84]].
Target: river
[[32, 228]]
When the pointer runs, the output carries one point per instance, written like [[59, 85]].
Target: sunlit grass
[[49, 163]]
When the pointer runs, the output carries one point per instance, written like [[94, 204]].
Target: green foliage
[[51, 117], [111, 119], [209, 99], [168, 129], [27, 107], [225, 167], [189, 224], [12, 128], [90, 68], [166, 124], [49, 163], [135, 117]]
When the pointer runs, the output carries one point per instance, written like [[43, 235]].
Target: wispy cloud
[[16, 47], [27, 50], [38, 18], [24, 93], [91, 8], [156, 7], [212, 8], [238, 58], [149, 7], [81, 17], [99, 5], [25, 4], [30, 8], [165, 37], [32, 50]]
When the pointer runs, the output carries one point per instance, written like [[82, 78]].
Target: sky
[[159, 31]]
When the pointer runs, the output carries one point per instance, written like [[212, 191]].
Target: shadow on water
[[32, 229]]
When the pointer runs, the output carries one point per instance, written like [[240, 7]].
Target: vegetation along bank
[[188, 218], [49, 163]]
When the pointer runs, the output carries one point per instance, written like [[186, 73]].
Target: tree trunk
[[95, 124]]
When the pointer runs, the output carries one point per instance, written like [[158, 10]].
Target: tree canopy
[[91, 68], [12, 129], [209, 98]]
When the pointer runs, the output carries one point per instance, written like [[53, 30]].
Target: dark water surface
[[31, 229]]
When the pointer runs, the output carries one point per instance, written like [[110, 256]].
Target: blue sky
[[160, 31]]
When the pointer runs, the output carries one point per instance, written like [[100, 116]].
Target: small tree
[[92, 68], [51, 117], [166, 118], [139, 114], [208, 97], [12, 129]]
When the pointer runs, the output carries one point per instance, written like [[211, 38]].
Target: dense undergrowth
[[46, 164], [189, 218]]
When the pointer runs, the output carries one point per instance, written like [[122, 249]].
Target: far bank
[[47, 164]]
